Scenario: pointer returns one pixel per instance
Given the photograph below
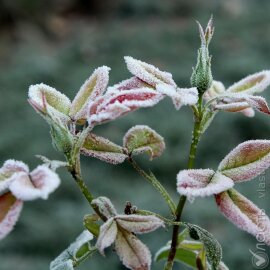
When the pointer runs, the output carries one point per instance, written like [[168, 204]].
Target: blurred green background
[[59, 43]]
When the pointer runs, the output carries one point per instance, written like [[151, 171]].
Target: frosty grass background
[[60, 44]]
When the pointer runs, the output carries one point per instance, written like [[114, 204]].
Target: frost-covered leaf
[[90, 90], [244, 214], [10, 209], [131, 251], [75, 253], [129, 84], [38, 184], [202, 183], [217, 88], [57, 103], [52, 164], [118, 103], [8, 169], [211, 245], [179, 96], [105, 207], [246, 161], [223, 266], [139, 224], [148, 73], [103, 149], [182, 255], [141, 139], [252, 84], [107, 235]]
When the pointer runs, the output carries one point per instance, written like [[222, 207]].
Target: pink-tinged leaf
[[39, 184], [117, 103], [246, 161], [202, 183], [10, 209], [57, 103], [244, 214], [139, 224], [249, 112], [105, 207], [148, 73], [141, 139], [107, 235], [179, 96], [232, 106], [8, 169], [252, 84], [103, 149], [129, 84], [258, 103], [131, 251], [217, 88], [89, 91]]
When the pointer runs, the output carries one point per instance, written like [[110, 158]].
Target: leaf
[[131, 251], [212, 246], [252, 84], [90, 90], [90, 224], [141, 139], [148, 73], [217, 88], [139, 224], [118, 103], [191, 245], [57, 103], [246, 161], [107, 235], [244, 214], [222, 266], [201, 183], [10, 209], [201, 260], [39, 184], [105, 207], [103, 149], [182, 255], [75, 253], [179, 96], [129, 84]]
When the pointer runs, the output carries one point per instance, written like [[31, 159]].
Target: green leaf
[[77, 252], [192, 245], [90, 224], [140, 139], [103, 149], [212, 246]]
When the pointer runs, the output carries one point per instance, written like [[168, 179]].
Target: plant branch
[[156, 184]]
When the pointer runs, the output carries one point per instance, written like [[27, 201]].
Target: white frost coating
[[233, 107], [244, 214], [89, 91], [202, 183], [222, 266], [9, 221], [179, 96], [57, 103], [107, 235], [246, 161], [139, 224], [132, 252], [148, 73], [252, 84], [217, 88], [39, 184], [105, 207], [129, 84], [249, 112], [117, 103]]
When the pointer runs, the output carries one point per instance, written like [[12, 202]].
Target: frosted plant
[[72, 124]]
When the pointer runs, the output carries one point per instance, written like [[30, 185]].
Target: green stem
[[181, 204], [156, 184]]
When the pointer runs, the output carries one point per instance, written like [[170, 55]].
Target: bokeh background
[[60, 42]]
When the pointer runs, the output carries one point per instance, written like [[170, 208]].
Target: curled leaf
[[10, 209], [38, 184], [202, 183], [246, 161], [139, 224], [244, 214], [179, 96], [90, 90], [148, 73], [105, 207], [132, 252], [103, 149], [141, 139], [129, 84]]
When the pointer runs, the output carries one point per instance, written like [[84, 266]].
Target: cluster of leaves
[[71, 124]]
